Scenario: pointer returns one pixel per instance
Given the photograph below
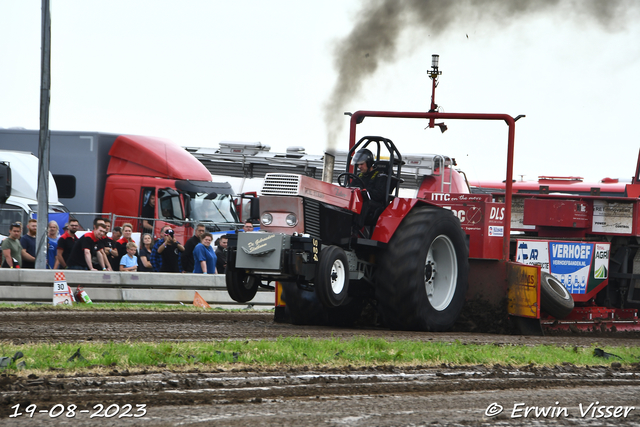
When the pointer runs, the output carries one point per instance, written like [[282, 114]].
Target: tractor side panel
[[480, 218], [391, 217]]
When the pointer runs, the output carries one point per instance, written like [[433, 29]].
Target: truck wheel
[[421, 282], [332, 276], [555, 299], [241, 287]]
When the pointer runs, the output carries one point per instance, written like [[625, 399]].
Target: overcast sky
[[200, 72]]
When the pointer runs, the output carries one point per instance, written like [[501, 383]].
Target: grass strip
[[298, 352]]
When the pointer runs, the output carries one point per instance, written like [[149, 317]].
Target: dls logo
[[497, 213]]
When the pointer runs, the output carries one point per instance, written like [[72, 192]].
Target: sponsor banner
[[533, 252], [601, 261], [612, 217], [570, 262], [496, 230]]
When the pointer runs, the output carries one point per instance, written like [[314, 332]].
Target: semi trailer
[[118, 174]]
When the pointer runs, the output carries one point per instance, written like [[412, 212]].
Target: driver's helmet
[[363, 156]]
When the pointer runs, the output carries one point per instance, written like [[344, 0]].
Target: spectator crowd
[[95, 250]]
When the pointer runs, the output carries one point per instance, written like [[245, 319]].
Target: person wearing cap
[[165, 255]]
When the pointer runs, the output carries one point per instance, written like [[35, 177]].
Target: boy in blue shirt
[[129, 262]]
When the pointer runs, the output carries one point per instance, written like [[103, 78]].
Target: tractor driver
[[373, 182]]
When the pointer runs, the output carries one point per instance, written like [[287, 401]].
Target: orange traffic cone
[[198, 301]]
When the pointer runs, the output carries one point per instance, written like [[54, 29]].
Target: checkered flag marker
[[61, 292]]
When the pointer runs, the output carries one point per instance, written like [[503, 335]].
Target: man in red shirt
[[87, 248]]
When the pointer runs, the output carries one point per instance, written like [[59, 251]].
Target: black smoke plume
[[374, 39]]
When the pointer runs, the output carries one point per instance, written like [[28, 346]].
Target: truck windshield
[[219, 210], [9, 215]]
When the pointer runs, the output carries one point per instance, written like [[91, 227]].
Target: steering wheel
[[348, 179]]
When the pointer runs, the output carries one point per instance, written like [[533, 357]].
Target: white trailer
[[23, 201]]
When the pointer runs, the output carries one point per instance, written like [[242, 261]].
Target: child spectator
[[129, 262]]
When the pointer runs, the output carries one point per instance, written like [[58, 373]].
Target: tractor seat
[[385, 165], [395, 182]]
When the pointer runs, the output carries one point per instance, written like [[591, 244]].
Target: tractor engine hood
[[288, 184]]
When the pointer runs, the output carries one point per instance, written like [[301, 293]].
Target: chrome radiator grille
[[281, 184]]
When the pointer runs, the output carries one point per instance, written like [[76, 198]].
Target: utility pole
[[43, 146]]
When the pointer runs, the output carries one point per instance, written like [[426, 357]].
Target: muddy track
[[77, 326], [161, 391], [298, 396]]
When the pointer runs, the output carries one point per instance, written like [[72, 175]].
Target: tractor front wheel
[[422, 279], [241, 287], [332, 276]]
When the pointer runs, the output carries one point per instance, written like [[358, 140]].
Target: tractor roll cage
[[359, 116], [391, 168]]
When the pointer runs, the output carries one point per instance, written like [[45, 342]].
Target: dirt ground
[[374, 395]]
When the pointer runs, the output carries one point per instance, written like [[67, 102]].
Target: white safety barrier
[[36, 285]]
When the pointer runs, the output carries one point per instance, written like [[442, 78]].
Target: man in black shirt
[[66, 242], [86, 249], [189, 246], [370, 177], [108, 251], [148, 213], [221, 255], [170, 250]]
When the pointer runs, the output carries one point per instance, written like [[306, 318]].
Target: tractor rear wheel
[[555, 299], [332, 276], [241, 287], [422, 277]]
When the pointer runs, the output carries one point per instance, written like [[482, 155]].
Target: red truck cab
[[140, 167]]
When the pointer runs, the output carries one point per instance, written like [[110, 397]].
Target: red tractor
[[330, 248]]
